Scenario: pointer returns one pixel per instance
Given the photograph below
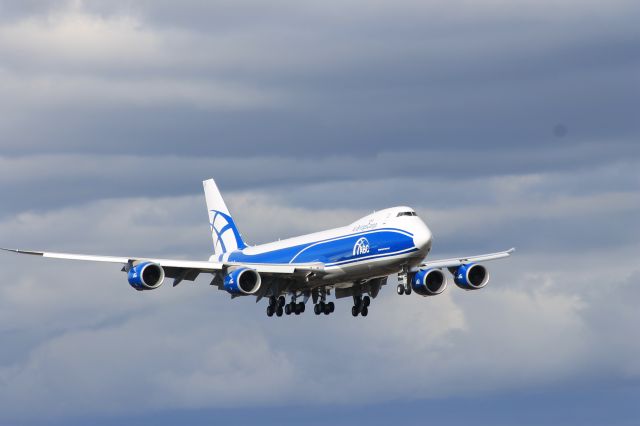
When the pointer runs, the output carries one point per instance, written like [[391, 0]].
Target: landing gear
[[404, 286], [294, 307], [276, 306], [329, 308], [360, 305], [402, 289], [322, 307]]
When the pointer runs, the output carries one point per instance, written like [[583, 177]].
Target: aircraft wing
[[184, 269], [457, 261]]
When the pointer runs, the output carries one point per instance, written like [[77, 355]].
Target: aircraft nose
[[422, 238]]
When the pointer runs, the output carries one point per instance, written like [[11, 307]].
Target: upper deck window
[[406, 214]]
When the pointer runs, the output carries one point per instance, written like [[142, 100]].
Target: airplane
[[353, 261]]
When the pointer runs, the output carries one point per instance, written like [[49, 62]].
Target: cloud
[[176, 346], [287, 79], [309, 116]]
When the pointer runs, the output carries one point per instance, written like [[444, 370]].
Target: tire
[[407, 291], [287, 309], [365, 311], [281, 301], [400, 289], [366, 301], [332, 307], [270, 311], [327, 309], [301, 307], [316, 309], [279, 312], [354, 311]]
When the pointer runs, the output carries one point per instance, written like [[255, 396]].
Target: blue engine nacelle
[[242, 281], [429, 282], [146, 276], [470, 276]]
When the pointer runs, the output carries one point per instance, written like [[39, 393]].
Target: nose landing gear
[[404, 286]]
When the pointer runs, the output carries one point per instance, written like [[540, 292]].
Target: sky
[[504, 124]]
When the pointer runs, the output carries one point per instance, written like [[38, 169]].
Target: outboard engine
[[429, 282], [146, 276], [470, 276], [242, 281]]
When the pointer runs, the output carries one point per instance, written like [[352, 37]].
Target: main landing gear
[[322, 307], [278, 306], [360, 305]]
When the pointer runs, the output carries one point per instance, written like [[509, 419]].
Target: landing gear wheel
[[270, 311], [316, 309], [400, 289], [365, 311], [366, 301], [407, 290], [327, 309], [287, 309], [297, 311], [281, 301], [279, 312], [332, 307], [301, 307], [354, 311]]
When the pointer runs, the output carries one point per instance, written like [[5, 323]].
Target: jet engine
[[470, 276], [429, 282], [146, 276], [242, 281]]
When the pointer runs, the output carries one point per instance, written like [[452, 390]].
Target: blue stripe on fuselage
[[338, 250]]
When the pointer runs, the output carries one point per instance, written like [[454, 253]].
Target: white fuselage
[[376, 245]]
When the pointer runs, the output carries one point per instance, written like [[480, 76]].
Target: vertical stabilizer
[[224, 231]]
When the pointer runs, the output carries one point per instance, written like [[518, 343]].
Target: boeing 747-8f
[[352, 261]]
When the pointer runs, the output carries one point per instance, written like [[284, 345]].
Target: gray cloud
[[309, 116], [131, 79]]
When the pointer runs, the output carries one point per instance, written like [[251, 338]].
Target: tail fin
[[224, 231]]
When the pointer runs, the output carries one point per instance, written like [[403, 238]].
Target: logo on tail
[[225, 234]]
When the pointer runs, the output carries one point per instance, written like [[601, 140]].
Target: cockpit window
[[406, 214]]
